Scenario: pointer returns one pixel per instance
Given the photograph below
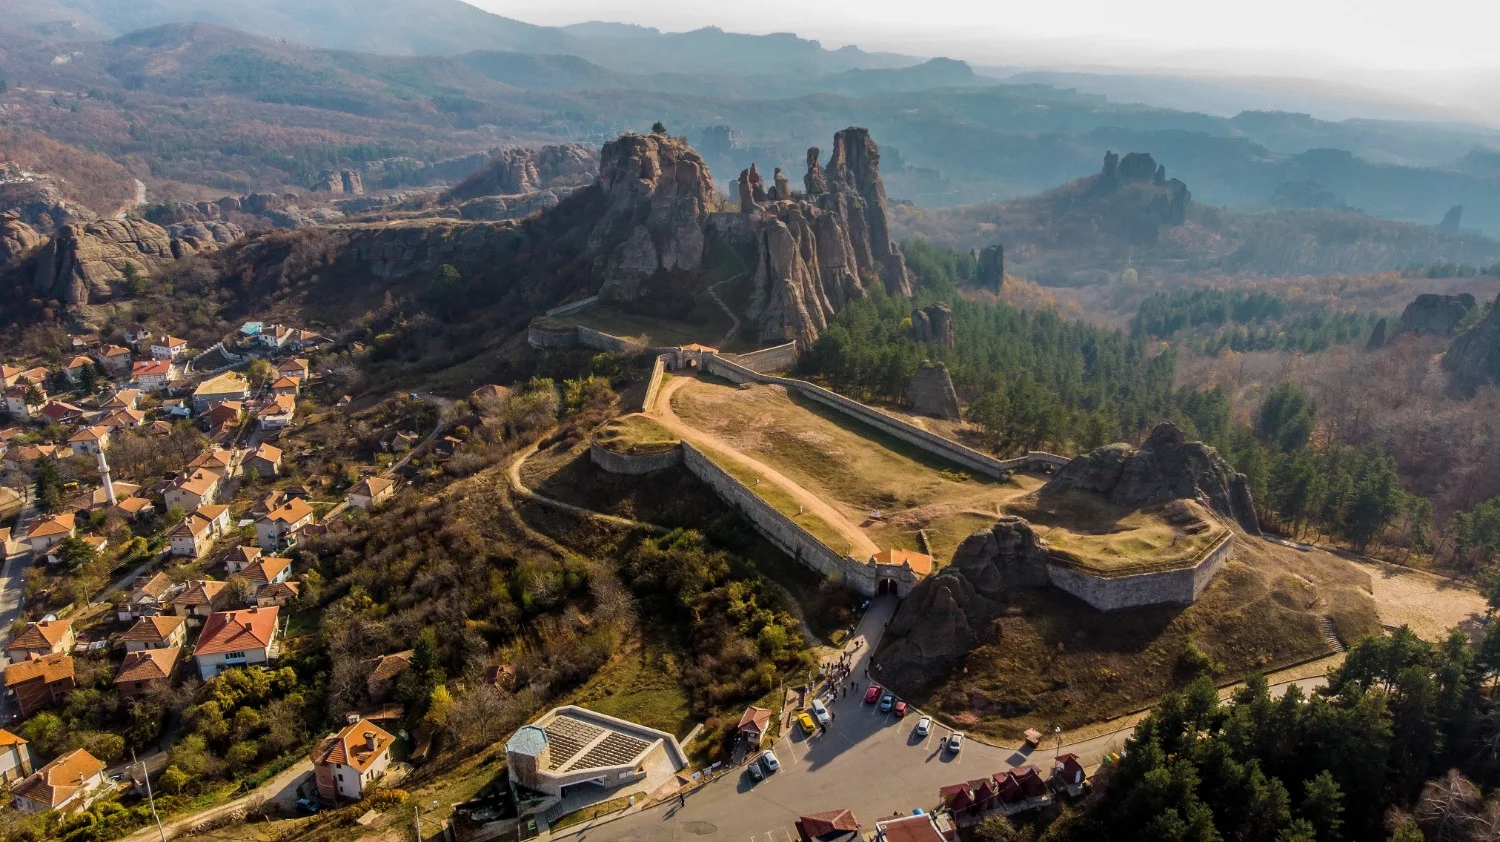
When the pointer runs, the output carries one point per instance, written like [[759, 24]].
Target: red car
[[900, 709], [872, 695]]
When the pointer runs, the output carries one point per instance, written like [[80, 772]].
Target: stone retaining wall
[[1167, 587], [633, 464], [567, 309], [653, 386], [779, 358], [578, 335]]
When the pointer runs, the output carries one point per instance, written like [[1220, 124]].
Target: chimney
[[371, 742], [351, 718], [109, 486]]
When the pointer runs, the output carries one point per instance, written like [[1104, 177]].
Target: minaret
[[109, 486]]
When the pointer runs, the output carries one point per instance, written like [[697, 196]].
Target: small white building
[[348, 762]]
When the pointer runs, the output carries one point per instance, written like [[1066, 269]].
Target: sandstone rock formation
[[511, 207], [1431, 314], [1377, 337], [41, 205], [990, 271], [1167, 467], [1474, 357], [933, 323], [931, 392], [17, 239], [86, 262], [1451, 220], [656, 193], [948, 614], [1158, 200], [342, 182], [521, 170]]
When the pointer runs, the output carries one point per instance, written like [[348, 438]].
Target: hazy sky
[[1434, 44]]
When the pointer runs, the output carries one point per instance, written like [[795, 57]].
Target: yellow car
[[808, 726]]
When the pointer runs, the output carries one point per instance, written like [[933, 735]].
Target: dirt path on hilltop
[[860, 544]]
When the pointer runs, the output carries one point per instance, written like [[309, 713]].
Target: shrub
[[1193, 662], [385, 799]]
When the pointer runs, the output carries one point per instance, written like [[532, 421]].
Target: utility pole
[[146, 776], [416, 811]]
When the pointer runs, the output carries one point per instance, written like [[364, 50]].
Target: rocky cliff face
[[931, 392], [1146, 199], [934, 323], [818, 251], [340, 182], [1431, 314], [86, 262], [17, 239], [1167, 467], [948, 614], [990, 269], [514, 172], [1474, 357]]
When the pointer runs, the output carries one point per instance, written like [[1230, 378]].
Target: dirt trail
[[860, 545]]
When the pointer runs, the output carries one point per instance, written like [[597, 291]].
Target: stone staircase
[[1325, 627]]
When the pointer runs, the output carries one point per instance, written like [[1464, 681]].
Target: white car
[[924, 726], [955, 743], [820, 711], [768, 758]]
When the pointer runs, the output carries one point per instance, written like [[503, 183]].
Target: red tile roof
[[156, 629], [832, 821], [233, 631], [43, 634], [49, 668], [53, 784], [148, 665], [349, 746]]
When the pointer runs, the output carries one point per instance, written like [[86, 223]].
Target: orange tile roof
[[280, 590], [200, 592], [285, 383], [200, 483], [133, 505], [148, 664], [270, 453], [156, 629], [264, 569], [116, 350], [921, 563], [154, 586], [9, 739], [43, 634], [248, 554], [211, 511], [91, 434], [233, 631], [161, 368], [371, 486], [216, 458], [58, 781], [193, 525], [54, 525], [348, 746], [291, 511], [760, 718], [49, 668], [78, 362], [387, 667], [123, 418]]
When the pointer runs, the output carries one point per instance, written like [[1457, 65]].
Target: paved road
[[869, 762], [860, 544]]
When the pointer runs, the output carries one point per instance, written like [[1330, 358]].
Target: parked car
[[768, 757], [820, 711], [308, 807], [955, 742], [900, 709], [886, 702], [809, 727], [872, 695], [757, 773], [924, 726]]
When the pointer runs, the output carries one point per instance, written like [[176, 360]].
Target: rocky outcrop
[[1167, 467], [17, 239], [40, 204], [513, 172], [817, 252], [1431, 314], [86, 263], [656, 194], [989, 271], [1377, 337], [933, 323], [931, 392], [340, 182], [511, 207], [949, 614], [1150, 200], [1474, 357], [1451, 220]]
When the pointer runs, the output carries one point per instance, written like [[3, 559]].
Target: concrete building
[[229, 386], [577, 757], [168, 348], [49, 531], [90, 441], [280, 527], [237, 639], [164, 631], [43, 637], [39, 682], [192, 537], [147, 668], [371, 491], [200, 598], [153, 375], [15, 757], [194, 490], [345, 764], [264, 460], [67, 784]]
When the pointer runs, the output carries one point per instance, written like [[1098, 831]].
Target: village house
[[150, 597], [137, 334], [272, 337], [192, 537], [67, 784], [40, 681], [168, 348], [264, 460], [9, 374], [219, 460], [922, 827], [240, 558], [279, 593], [34, 377], [60, 412], [123, 419], [217, 517], [279, 528], [305, 340], [97, 543], [382, 671], [830, 826], [134, 508], [43, 637], [193, 490], [237, 639], [1069, 771], [48, 531], [223, 417], [153, 375], [754, 724], [145, 668], [229, 386], [370, 492], [200, 598], [114, 360], [89, 441], [285, 386], [23, 457], [346, 763], [15, 758], [124, 399], [295, 367], [16, 405], [267, 570], [278, 414], [73, 370]]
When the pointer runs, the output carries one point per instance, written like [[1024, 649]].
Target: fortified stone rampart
[[778, 358], [569, 309], [653, 385], [573, 336], [633, 464], [1167, 587]]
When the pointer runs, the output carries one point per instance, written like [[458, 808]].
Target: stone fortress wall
[[633, 464], [1165, 587]]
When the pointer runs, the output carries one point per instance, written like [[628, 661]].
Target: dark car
[[307, 808], [757, 772]]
